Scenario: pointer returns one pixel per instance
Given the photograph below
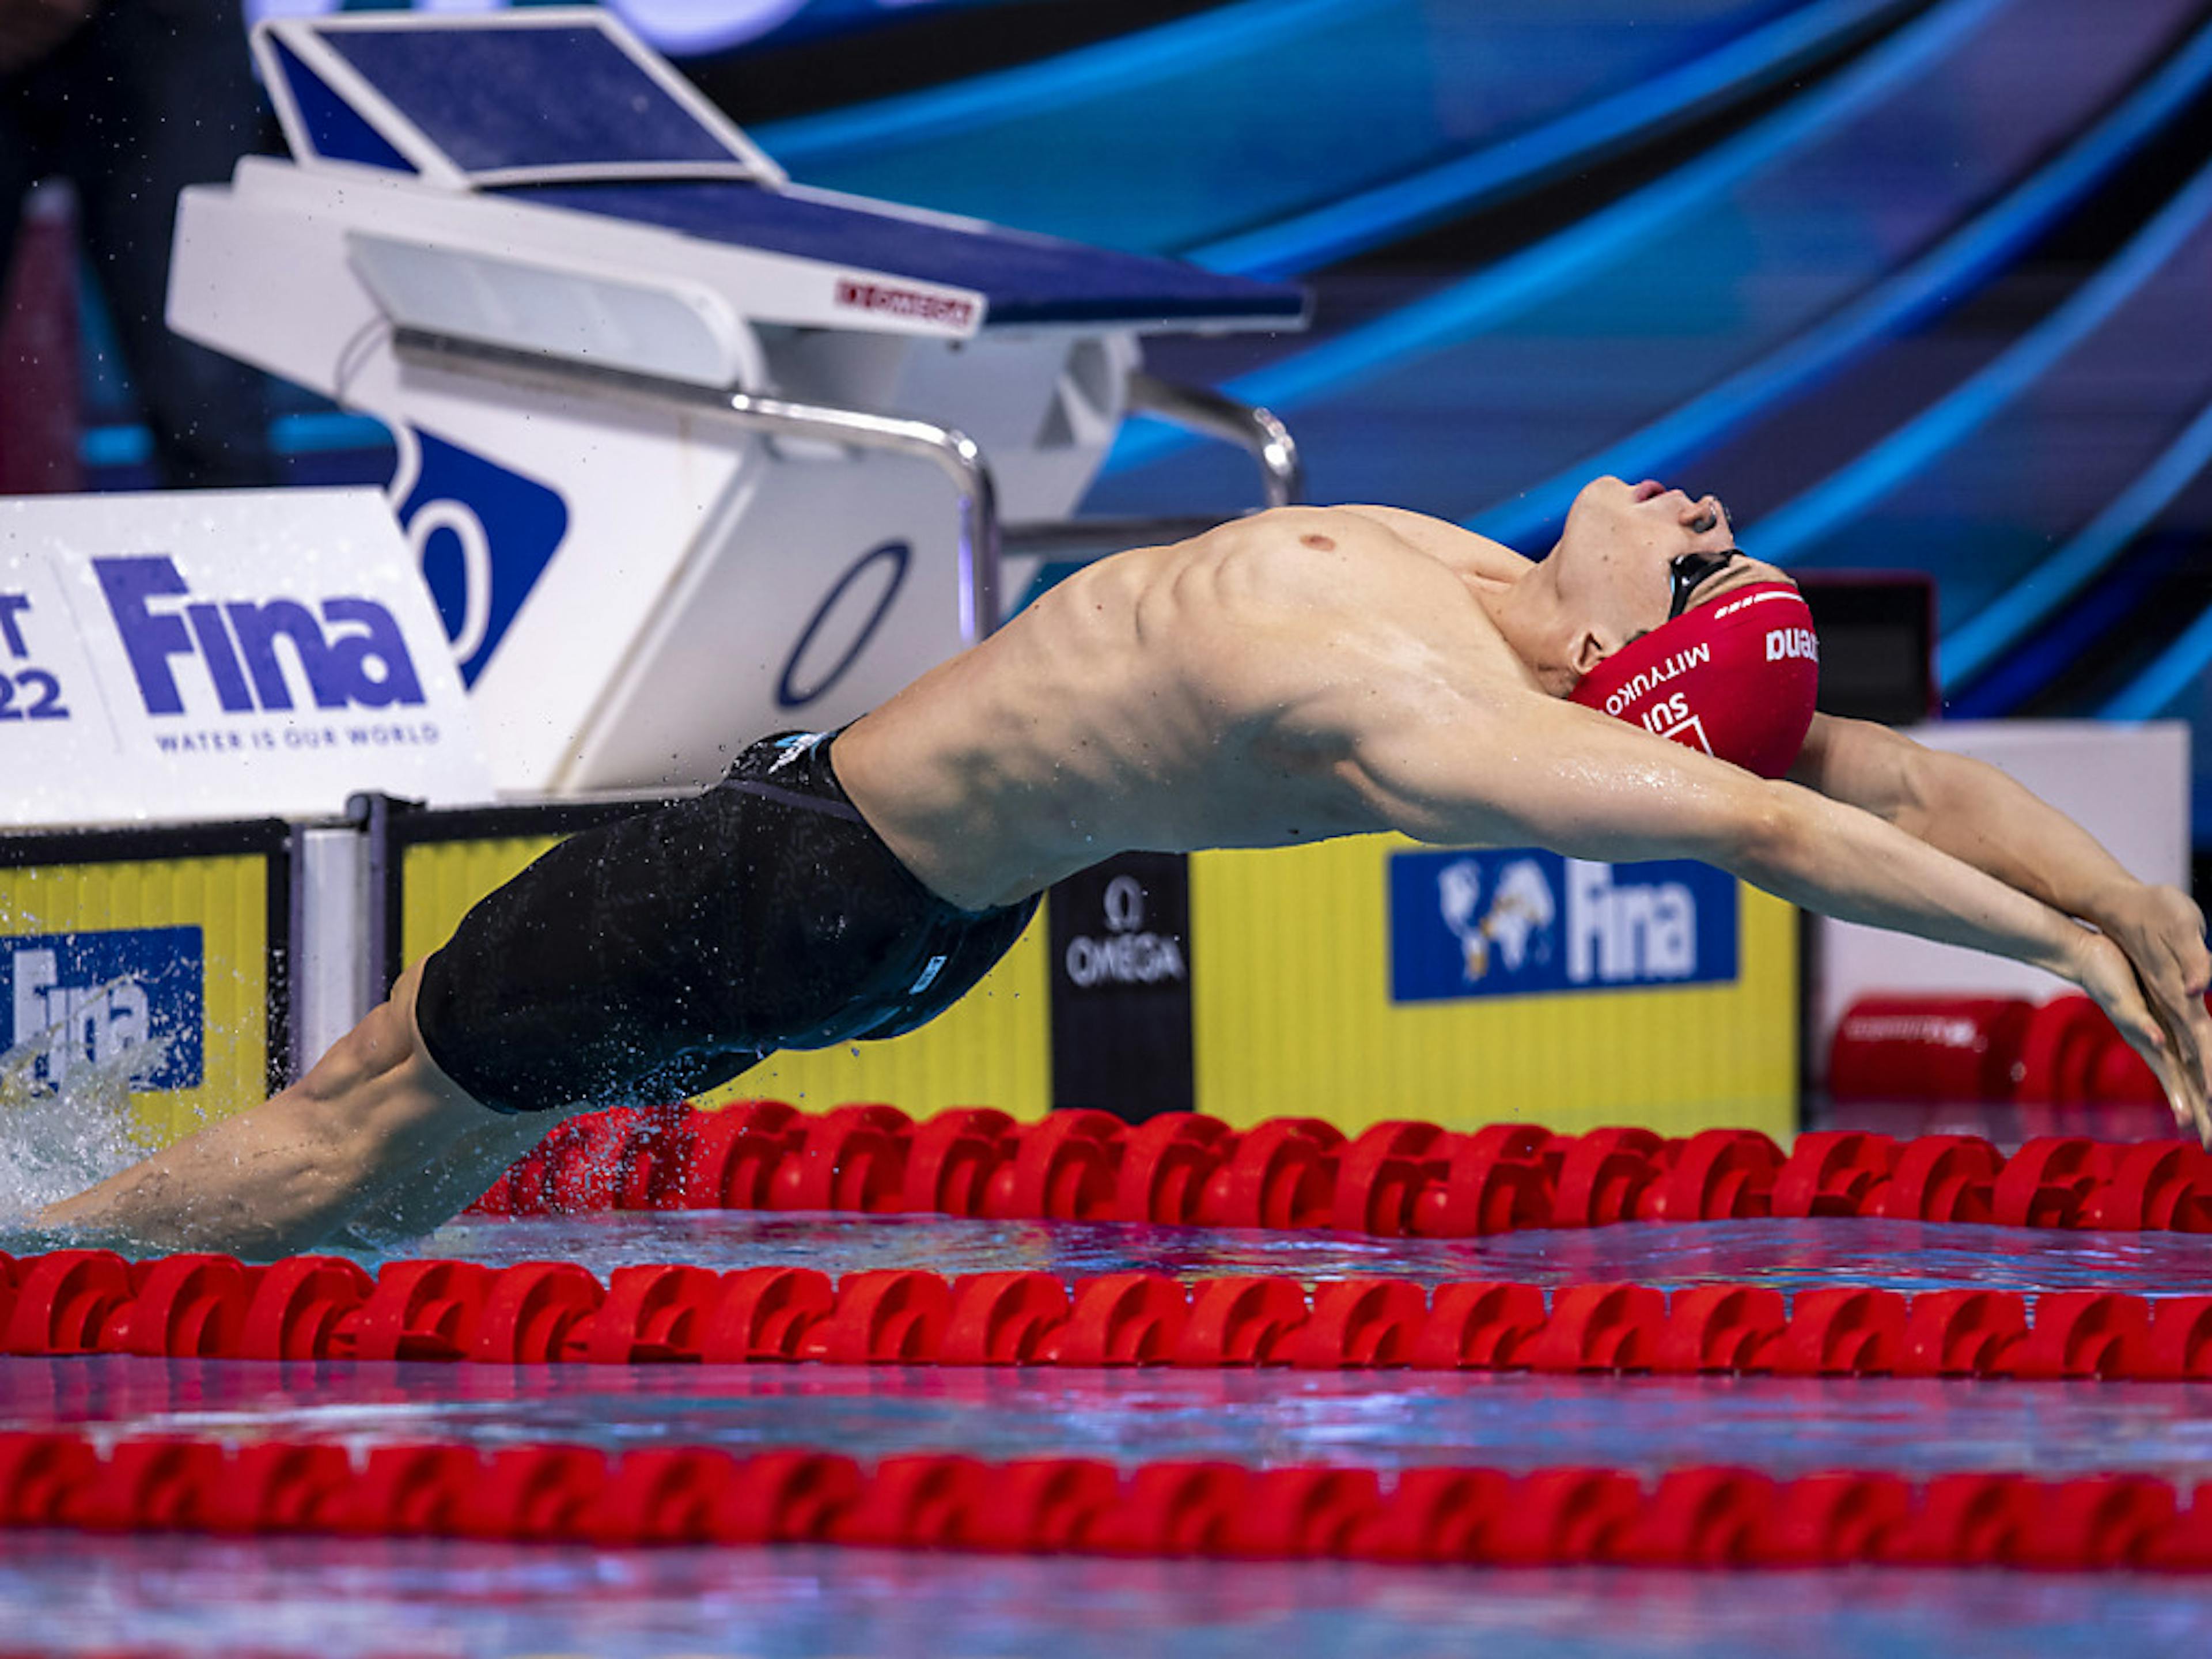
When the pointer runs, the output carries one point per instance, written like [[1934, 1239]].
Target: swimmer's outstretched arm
[[1974, 812], [1469, 764]]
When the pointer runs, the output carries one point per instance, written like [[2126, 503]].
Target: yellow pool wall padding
[[226, 897], [1293, 1018], [1292, 1015]]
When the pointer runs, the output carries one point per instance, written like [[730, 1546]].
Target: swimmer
[[1303, 673]]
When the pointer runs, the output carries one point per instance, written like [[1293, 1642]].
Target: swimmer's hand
[[2150, 1001], [2163, 934]]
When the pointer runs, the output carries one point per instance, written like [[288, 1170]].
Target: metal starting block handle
[[952, 451], [1212, 414]]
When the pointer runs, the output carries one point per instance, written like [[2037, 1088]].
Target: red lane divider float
[[79, 1302], [1395, 1179], [1703, 1516]]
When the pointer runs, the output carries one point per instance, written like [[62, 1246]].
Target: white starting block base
[[675, 433]]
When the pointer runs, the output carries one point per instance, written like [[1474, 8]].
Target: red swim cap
[[1735, 678]]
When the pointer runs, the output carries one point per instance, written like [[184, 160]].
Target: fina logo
[[1518, 922], [123, 1005], [1471, 925], [353, 655]]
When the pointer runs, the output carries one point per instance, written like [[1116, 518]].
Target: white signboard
[[220, 654]]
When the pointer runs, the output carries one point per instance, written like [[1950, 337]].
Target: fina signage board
[[238, 653], [1524, 922], [118, 997]]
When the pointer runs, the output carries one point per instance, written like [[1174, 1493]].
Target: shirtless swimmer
[[1307, 672]]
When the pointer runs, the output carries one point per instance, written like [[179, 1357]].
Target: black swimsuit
[[659, 957]]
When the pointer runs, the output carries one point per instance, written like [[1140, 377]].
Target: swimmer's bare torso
[[1279, 679]]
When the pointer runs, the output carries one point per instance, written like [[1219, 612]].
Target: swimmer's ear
[[1587, 650]]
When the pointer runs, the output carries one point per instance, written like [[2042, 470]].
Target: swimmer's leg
[[372, 1115], [420, 1200]]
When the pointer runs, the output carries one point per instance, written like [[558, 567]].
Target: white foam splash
[[57, 1141]]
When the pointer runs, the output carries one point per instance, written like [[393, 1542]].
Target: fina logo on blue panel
[[129, 1001], [1521, 921], [483, 536]]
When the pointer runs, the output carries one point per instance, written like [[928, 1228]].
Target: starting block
[[674, 433]]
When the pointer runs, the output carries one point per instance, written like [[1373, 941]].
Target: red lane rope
[[1395, 1179], [77, 1301], [1699, 1517]]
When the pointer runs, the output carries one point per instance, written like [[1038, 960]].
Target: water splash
[[57, 1139]]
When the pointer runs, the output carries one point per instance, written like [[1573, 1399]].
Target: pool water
[[1786, 1254], [72, 1594]]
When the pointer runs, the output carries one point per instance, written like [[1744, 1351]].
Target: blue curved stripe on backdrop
[[1576, 138], [1110, 68], [1805, 529], [1658, 297], [1970, 649], [1531, 276], [1256, 114], [2181, 669], [1939, 281], [317, 432]]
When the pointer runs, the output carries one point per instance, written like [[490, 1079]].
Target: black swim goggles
[[1686, 571]]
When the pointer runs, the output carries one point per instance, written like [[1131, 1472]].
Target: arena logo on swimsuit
[[121, 1006], [353, 656], [1526, 921]]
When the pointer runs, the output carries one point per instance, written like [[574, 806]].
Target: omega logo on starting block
[[1130, 953], [1122, 1028]]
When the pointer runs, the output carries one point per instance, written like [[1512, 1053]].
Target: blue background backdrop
[[1914, 283]]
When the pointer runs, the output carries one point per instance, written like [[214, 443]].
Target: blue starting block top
[[570, 111], [493, 98]]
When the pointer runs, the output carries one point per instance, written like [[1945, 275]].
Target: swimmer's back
[[1206, 693]]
